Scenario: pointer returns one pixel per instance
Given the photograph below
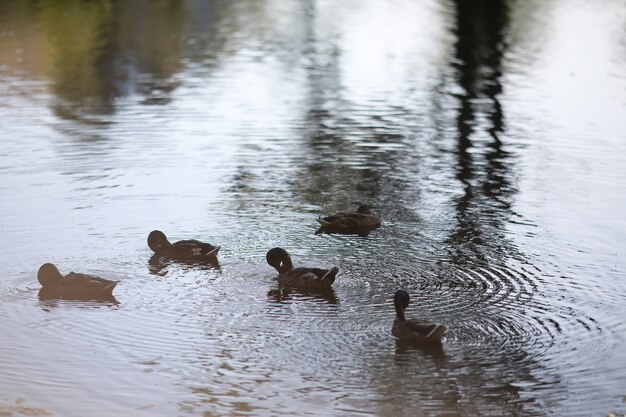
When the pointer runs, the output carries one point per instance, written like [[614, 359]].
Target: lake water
[[490, 137]]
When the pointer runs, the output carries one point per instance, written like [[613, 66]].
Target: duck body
[[414, 331], [360, 222], [183, 250], [311, 278], [73, 285]]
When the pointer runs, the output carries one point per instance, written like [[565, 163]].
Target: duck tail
[[213, 252], [332, 273], [110, 286], [323, 222], [437, 332]]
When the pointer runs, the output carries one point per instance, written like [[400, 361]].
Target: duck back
[[419, 332], [309, 277], [349, 223], [190, 250]]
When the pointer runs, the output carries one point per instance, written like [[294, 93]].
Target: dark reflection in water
[[484, 206], [247, 120], [157, 265], [288, 294], [50, 299], [404, 350]]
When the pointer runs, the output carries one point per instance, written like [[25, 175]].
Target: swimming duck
[[299, 277], [412, 330], [183, 250], [73, 284], [360, 222]]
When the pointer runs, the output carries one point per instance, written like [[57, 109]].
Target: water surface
[[490, 136]]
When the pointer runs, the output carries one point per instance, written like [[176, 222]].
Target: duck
[[311, 278], [183, 250], [360, 222], [73, 285], [413, 330]]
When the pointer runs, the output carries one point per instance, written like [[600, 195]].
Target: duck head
[[48, 274], [401, 302], [157, 241], [279, 259]]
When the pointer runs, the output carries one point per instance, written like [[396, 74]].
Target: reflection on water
[[290, 295], [404, 352], [101, 51], [241, 122], [53, 294], [486, 174], [49, 300], [158, 265]]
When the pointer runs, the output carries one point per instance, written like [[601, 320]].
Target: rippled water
[[490, 136]]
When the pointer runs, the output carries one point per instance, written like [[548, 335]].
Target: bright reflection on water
[[490, 136]]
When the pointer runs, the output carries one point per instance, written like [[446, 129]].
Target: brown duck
[[412, 330], [183, 250], [73, 284], [312, 278], [360, 222]]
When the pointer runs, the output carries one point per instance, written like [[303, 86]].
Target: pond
[[489, 136]]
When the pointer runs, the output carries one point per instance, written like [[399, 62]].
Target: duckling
[[183, 250], [300, 277], [412, 330], [73, 284], [360, 222]]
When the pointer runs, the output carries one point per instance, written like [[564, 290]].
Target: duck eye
[[280, 264]]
